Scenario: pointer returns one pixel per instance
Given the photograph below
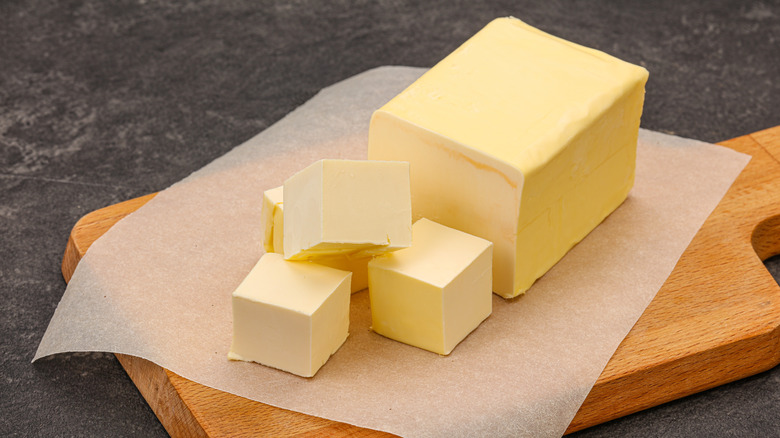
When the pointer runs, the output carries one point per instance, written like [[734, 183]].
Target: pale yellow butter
[[518, 137], [290, 315], [357, 265], [347, 207], [273, 240], [434, 293], [270, 216]]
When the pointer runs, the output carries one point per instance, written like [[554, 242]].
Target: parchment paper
[[158, 286]]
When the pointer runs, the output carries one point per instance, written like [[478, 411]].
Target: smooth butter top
[[298, 286], [437, 255], [561, 88]]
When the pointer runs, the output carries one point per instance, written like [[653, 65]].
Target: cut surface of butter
[[271, 210], [357, 265], [434, 293], [518, 137], [347, 207], [290, 315], [273, 241]]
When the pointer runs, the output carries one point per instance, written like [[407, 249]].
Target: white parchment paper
[[158, 286]]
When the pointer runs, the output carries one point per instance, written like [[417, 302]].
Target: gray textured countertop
[[105, 101]]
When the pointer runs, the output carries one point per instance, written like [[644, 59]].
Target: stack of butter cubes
[[521, 138], [340, 226]]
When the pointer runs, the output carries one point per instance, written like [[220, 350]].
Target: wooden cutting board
[[715, 320]]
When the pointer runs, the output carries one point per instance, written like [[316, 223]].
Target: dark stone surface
[[105, 101]]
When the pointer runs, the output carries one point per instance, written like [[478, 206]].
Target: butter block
[[347, 207], [518, 137], [273, 215], [434, 293], [290, 315]]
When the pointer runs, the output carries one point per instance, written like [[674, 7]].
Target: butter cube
[[273, 240], [434, 293], [518, 137], [347, 207], [290, 315], [358, 266]]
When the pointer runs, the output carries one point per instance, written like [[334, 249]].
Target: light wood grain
[[715, 320]]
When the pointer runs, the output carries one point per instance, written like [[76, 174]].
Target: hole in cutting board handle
[[766, 238]]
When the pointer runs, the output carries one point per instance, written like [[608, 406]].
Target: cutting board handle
[[766, 237]]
